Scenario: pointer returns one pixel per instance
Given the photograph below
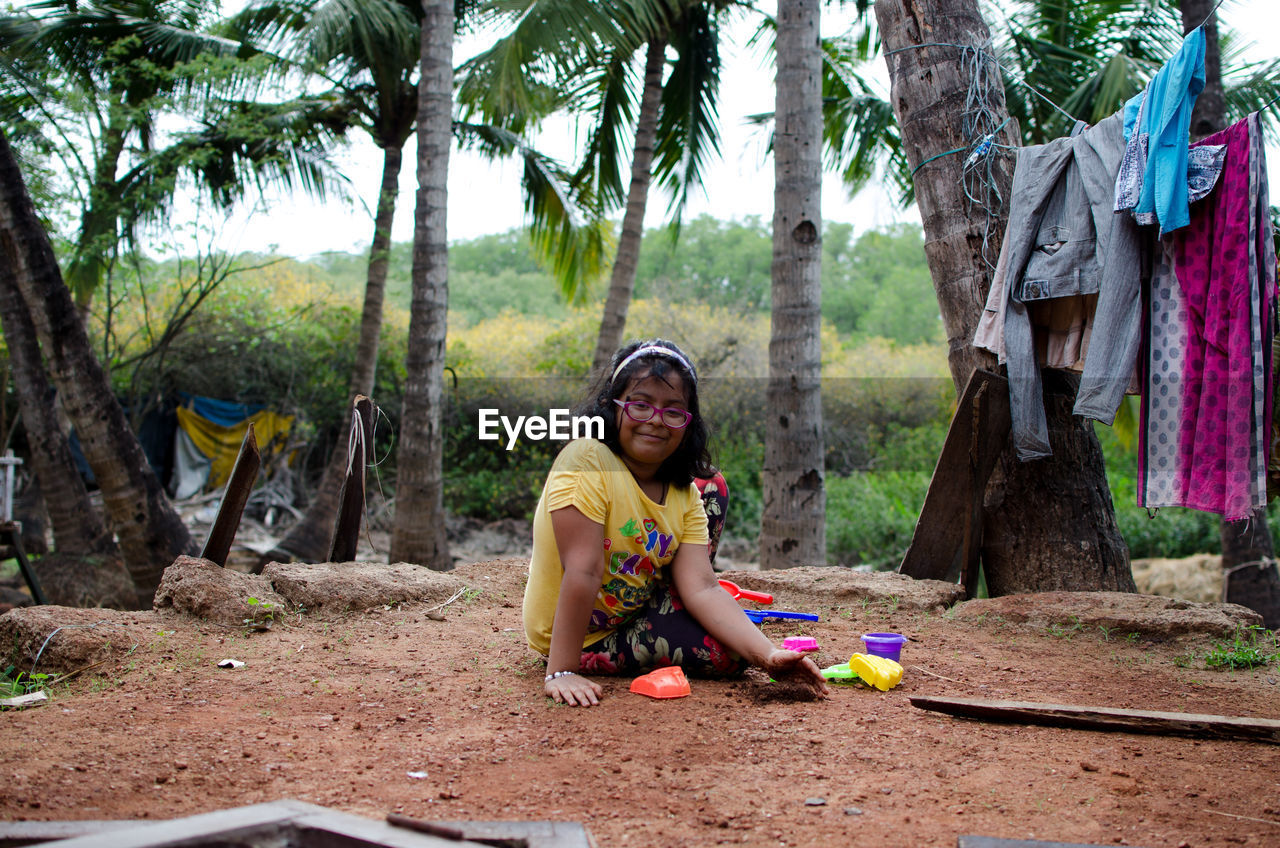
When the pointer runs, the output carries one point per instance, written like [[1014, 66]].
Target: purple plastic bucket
[[887, 645]]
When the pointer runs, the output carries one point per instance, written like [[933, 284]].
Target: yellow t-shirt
[[640, 538]]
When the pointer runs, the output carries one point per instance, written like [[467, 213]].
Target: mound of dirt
[[351, 586], [59, 640], [1148, 616], [199, 588]]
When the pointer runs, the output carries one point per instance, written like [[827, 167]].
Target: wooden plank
[[948, 534], [243, 476], [346, 529], [1107, 718]]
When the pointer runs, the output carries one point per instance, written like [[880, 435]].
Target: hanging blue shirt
[[1165, 119]]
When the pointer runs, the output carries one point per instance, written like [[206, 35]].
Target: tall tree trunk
[[1049, 524], [150, 532], [418, 531], [793, 523], [308, 539], [623, 279], [1210, 112], [77, 524]]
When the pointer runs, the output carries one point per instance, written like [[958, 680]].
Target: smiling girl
[[620, 579]]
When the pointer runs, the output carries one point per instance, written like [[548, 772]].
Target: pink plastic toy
[[800, 643]]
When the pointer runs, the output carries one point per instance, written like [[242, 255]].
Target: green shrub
[[871, 516]]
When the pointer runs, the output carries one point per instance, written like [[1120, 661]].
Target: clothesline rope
[[1210, 15]]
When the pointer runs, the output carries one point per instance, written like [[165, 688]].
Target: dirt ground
[[439, 714]]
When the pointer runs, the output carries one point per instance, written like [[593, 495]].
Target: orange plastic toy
[[668, 682], [737, 592]]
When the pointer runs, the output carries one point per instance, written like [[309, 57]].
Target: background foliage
[[282, 332]]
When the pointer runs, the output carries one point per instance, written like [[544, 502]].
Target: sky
[[485, 197]]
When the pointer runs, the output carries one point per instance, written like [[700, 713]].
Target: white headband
[[645, 350]]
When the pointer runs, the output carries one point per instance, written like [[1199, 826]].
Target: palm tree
[[367, 52], [676, 124], [1087, 58], [107, 74], [1044, 514], [531, 71], [151, 533], [90, 82], [418, 532], [77, 524], [793, 523]]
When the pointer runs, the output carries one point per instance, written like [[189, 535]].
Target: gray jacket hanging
[[1064, 240]]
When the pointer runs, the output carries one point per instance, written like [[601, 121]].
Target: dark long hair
[[692, 458]]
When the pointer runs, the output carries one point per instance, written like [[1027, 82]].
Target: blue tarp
[[224, 413]]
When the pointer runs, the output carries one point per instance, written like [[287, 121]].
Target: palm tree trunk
[[77, 525], [1049, 524], [1210, 112], [418, 532], [623, 278], [150, 532], [793, 523], [308, 539]]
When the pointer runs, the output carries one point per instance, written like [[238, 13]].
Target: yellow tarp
[[222, 444]]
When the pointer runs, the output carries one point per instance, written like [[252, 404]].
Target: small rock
[[815, 802], [852, 811]]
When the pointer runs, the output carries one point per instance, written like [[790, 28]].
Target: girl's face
[[647, 444]]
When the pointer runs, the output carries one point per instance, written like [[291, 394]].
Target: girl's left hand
[[795, 667]]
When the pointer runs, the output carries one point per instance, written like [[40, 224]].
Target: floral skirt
[[663, 633]]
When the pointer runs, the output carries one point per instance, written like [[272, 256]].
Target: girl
[[620, 580]]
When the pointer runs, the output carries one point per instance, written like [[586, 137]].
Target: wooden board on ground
[[1107, 718], [948, 532]]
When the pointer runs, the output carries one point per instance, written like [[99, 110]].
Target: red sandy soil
[[392, 710]]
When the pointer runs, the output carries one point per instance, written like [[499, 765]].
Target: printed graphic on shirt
[[635, 560]]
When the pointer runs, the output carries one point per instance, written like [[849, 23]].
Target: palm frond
[[565, 226], [688, 129], [245, 146], [1081, 58], [613, 112], [1107, 90], [1255, 89]]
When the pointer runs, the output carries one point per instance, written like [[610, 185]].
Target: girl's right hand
[[574, 690], [795, 667]]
